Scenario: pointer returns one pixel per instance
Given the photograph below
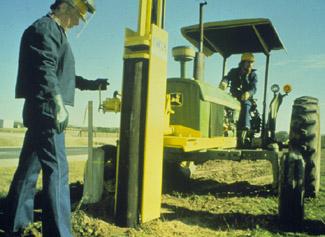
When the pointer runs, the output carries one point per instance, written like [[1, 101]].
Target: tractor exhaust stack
[[198, 73]]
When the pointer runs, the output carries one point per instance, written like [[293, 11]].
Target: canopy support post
[[264, 130]]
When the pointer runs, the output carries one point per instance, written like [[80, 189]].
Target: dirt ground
[[221, 198], [218, 193]]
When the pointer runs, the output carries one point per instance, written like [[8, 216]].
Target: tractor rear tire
[[305, 138], [291, 191]]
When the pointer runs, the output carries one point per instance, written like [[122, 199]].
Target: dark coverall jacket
[[238, 85], [46, 68]]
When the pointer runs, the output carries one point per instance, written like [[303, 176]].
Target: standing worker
[[242, 81], [47, 81]]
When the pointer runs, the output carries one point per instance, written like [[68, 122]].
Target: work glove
[[100, 82], [223, 85], [61, 114], [245, 96]]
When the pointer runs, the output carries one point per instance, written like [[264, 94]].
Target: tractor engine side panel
[[195, 107]]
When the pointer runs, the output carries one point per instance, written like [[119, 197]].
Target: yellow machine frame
[[149, 43]]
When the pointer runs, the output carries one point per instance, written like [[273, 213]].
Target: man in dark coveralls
[[242, 81], [47, 81]]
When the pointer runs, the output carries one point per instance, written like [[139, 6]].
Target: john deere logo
[[176, 99]]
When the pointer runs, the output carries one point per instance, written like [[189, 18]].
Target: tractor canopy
[[235, 37]]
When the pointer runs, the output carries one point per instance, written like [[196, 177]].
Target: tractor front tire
[[305, 138], [291, 191]]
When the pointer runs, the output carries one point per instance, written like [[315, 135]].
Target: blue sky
[[99, 49]]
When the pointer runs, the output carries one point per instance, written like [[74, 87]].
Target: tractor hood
[[235, 37]]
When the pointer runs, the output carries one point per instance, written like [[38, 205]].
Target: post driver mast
[[140, 152]]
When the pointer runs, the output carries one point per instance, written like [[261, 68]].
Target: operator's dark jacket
[[240, 84], [46, 68]]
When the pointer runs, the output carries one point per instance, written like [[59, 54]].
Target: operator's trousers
[[244, 118], [43, 149]]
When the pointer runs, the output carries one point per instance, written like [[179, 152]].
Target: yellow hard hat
[[83, 6], [248, 57]]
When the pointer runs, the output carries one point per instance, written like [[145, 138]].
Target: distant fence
[[81, 133], [13, 130], [72, 132]]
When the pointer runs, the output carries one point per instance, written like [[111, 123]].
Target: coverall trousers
[[43, 149], [244, 118]]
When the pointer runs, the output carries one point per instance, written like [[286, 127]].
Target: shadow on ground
[[238, 221], [231, 221], [224, 221], [238, 189]]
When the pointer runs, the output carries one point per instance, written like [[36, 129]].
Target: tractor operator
[[47, 81], [242, 82]]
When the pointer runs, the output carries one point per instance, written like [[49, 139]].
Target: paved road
[[9, 156]]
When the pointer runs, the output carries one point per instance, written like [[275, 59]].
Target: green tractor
[[170, 128], [204, 118]]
